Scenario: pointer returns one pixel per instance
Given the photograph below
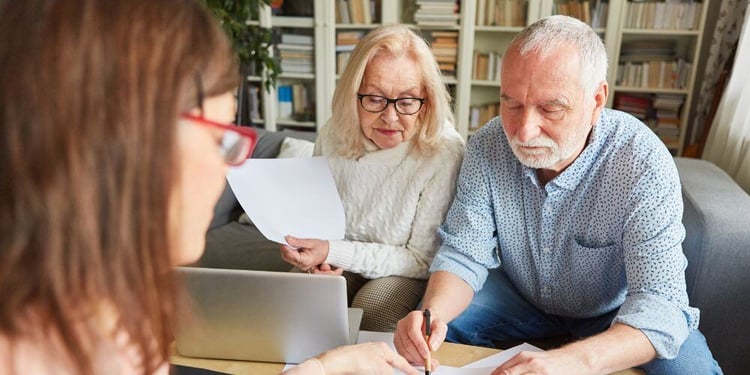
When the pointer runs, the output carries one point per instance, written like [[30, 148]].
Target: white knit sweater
[[394, 200]]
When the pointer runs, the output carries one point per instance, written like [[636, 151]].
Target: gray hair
[[551, 33]]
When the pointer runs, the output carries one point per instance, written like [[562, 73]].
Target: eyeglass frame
[[389, 101], [243, 132]]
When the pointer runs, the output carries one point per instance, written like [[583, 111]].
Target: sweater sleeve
[[412, 259]]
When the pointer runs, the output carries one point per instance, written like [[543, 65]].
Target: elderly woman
[[395, 154]]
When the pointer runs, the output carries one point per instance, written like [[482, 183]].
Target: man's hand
[[409, 338], [556, 361], [304, 253]]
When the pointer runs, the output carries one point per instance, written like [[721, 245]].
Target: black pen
[[427, 333]]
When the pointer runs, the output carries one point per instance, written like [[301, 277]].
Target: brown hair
[[90, 93], [391, 40]]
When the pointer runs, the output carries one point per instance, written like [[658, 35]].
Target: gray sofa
[[716, 218], [717, 245]]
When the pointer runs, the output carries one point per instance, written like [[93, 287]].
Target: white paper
[[483, 366], [294, 196], [498, 359]]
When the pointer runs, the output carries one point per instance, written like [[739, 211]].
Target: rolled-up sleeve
[[468, 233], [657, 301]]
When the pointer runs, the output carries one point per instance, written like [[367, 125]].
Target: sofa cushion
[[296, 148]]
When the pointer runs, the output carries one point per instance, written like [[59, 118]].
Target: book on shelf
[[482, 114], [286, 110], [487, 65], [509, 13], [253, 103], [346, 41], [444, 45], [355, 11], [296, 52], [436, 13], [669, 15]]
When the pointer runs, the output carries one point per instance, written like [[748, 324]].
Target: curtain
[[728, 144], [726, 33]]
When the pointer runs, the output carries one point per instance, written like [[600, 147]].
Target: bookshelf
[[476, 30], [656, 54]]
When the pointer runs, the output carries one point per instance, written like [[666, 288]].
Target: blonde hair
[[391, 40]]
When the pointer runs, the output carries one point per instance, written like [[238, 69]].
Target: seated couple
[[566, 219]]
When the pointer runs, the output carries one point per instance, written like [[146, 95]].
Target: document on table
[[294, 196], [481, 367]]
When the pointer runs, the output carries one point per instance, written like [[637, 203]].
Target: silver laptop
[[263, 316]]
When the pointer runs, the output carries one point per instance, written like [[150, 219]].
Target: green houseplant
[[251, 42]]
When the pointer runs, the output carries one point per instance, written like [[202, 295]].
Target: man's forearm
[[447, 295], [619, 347]]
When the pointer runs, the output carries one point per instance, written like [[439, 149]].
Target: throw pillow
[[296, 148]]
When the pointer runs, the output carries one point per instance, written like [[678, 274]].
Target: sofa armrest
[[717, 246]]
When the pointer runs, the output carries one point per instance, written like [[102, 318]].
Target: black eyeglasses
[[377, 104], [237, 143]]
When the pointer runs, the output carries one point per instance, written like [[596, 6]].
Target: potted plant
[[251, 42]]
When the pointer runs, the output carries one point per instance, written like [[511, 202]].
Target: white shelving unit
[[467, 92]]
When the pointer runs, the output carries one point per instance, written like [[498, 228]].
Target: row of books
[[444, 45], [357, 11], [481, 114], [487, 65], [296, 102], [296, 53], [670, 15], [436, 13], [511, 13], [593, 12], [665, 74]]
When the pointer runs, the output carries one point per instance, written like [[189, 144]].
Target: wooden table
[[449, 354]]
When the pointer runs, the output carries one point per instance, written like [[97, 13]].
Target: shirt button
[[546, 250], [545, 290]]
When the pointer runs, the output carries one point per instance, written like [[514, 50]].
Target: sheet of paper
[[498, 359], [293, 196], [483, 366]]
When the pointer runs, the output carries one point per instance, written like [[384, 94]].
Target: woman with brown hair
[[113, 151]]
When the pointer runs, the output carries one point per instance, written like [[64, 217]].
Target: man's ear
[[600, 100]]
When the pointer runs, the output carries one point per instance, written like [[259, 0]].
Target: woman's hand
[[305, 254], [326, 269], [374, 358]]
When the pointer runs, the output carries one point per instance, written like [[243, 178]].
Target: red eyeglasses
[[237, 143]]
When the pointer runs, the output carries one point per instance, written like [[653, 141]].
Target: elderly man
[[566, 221]]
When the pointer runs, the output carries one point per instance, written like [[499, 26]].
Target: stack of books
[[345, 43], [444, 45], [296, 53], [509, 13], [487, 65], [436, 13], [639, 106], [667, 112]]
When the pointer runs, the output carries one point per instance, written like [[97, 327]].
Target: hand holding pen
[[427, 334], [411, 338]]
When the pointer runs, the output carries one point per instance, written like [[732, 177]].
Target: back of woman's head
[[391, 40], [90, 91]]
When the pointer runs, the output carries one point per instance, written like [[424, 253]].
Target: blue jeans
[[499, 313]]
